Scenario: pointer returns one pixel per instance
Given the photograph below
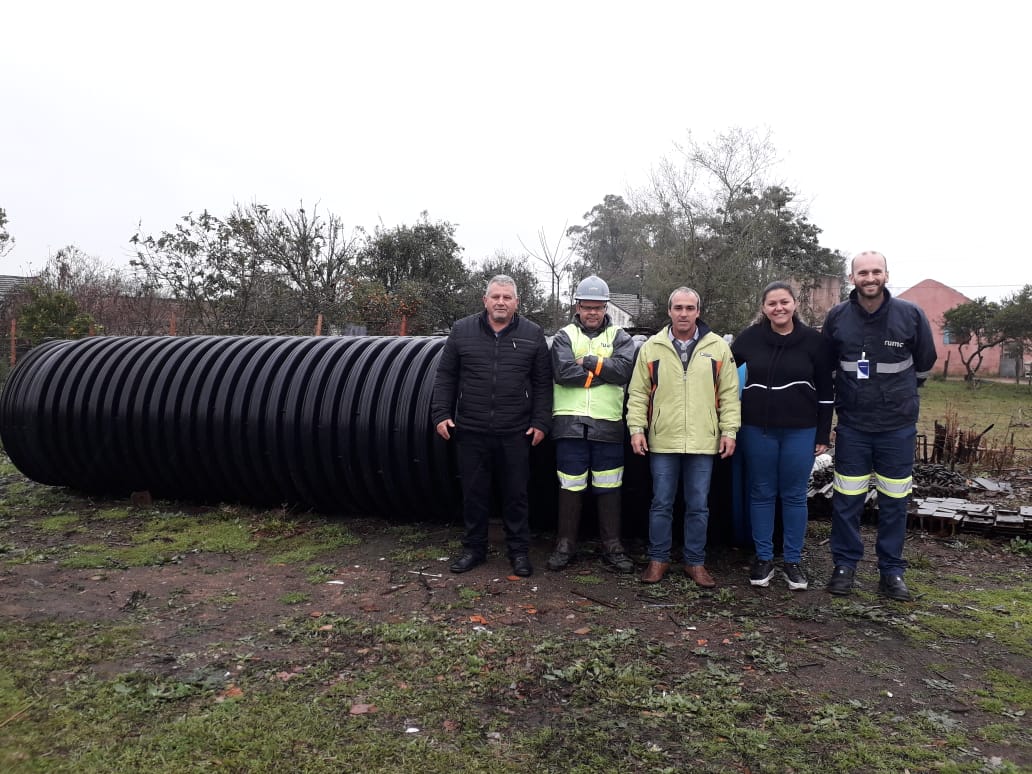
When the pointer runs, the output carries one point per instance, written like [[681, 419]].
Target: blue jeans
[[695, 471], [778, 461], [889, 454]]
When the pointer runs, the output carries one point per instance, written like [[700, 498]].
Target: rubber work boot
[[566, 530], [613, 554], [561, 556]]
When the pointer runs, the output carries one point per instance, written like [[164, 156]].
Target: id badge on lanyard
[[863, 367]]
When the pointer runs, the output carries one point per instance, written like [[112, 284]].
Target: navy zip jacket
[[898, 343], [492, 383], [788, 378]]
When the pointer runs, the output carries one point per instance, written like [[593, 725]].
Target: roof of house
[[633, 304], [9, 282]]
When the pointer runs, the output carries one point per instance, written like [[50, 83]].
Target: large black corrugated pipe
[[338, 424]]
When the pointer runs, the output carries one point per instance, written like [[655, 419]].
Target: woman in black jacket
[[787, 402]]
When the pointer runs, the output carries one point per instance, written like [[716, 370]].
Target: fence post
[[172, 324], [318, 324]]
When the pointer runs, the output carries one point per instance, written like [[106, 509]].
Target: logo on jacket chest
[[598, 347], [896, 344]]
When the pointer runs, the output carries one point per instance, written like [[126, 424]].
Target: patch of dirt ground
[[222, 608]]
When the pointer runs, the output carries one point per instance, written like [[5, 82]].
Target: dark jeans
[[484, 458], [889, 455]]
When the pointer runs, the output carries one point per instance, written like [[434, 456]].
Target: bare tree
[[737, 159], [255, 271], [114, 302], [710, 217], [6, 240], [558, 264], [312, 255]]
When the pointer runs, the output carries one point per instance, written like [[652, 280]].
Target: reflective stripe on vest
[[603, 401], [893, 487], [881, 368], [851, 485]]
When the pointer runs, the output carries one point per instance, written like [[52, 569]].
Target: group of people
[[691, 397]]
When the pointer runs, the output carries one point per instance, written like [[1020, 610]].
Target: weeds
[[1020, 546]]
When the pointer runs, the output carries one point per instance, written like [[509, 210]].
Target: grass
[[1020, 546], [320, 540], [1007, 407], [161, 539], [157, 537]]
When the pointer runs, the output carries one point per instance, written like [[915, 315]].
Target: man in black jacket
[[493, 392]]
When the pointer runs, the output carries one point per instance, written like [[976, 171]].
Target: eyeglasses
[[592, 308]]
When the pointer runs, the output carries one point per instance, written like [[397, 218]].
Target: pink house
[[935, 299]]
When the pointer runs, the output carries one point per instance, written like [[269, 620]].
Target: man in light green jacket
[[682, 410]]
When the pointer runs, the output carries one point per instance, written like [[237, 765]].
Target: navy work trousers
[[889, 455]]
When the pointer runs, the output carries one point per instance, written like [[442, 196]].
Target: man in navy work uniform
[[493, 393], [884, 350]]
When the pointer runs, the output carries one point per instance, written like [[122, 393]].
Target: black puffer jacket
[[494, 383]]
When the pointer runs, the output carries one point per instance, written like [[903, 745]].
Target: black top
[[788, 378], [488, 382]]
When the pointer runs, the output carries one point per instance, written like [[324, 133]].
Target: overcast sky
[[905, 126]]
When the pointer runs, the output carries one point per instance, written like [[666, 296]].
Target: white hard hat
[[592, 288]]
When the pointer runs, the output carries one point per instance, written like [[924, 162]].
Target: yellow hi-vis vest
[[604, 401]]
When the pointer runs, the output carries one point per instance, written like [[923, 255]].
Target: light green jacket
[[684, 412]]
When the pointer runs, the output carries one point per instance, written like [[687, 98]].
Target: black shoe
[[466, 562], [893, 587], [841, 582], [793, 575], [761, 572], [521, 565]]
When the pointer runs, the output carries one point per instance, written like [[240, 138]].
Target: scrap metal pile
[[939, 502]]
